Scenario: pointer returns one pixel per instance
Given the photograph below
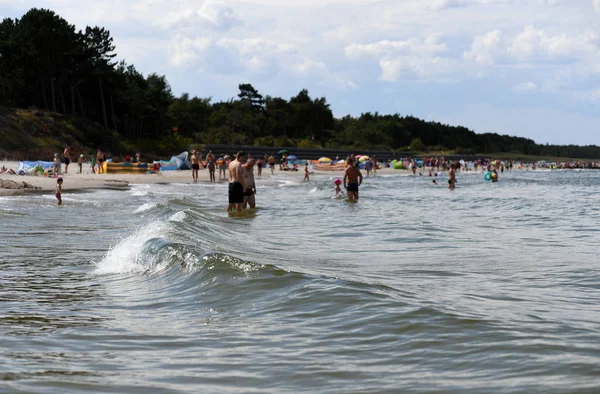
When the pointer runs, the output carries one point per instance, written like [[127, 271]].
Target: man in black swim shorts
[[236, 183], [195, 162]]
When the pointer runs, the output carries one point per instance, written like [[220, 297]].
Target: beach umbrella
[[363, 158], [227, 157], [357, 156], [282, 152], [292, 157], [324, 159]]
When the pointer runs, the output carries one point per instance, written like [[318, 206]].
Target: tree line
[[46, 63]]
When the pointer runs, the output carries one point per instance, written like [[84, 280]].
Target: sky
[[529, 68]]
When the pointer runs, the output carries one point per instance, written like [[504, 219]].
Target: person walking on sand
[[352, 180], [195, 166], [247, 171], [67, 155], [58, 194], [236, 183]]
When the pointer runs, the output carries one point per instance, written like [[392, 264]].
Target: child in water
[[338, 190], [494, 175], [58, 194]]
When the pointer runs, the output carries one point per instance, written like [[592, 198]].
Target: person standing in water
[[352, 180], [236, 183], [259, 165], [451, 177], [210, 163], [306, 172], [494, 175], [272, 165], [195, 162], [58, 194], [247, 171]]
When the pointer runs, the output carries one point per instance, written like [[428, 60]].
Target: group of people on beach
[[96, 162]]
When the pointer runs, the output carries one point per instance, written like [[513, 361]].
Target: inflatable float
[[126, 168]]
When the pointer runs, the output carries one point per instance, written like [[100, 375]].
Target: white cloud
[[592, 96], [485, 48], [444, 4], [535, 44], [185, 51], [211, 14], [525, 87], [425, 68], [389, 48], [310, 67], [410, 57]]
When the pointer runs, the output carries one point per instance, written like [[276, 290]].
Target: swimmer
[[434, 182]]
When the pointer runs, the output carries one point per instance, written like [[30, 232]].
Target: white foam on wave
[[284, 183], [178, 217], [145, 207], [127, 255]]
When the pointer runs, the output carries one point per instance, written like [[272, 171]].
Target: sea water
[[492, 287]]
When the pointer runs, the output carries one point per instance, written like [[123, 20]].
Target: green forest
[[47, 64]]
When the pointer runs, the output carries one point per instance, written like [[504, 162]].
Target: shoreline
[[74, 182]]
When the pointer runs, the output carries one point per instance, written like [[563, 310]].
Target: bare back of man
[[236, 183], [352, 180]]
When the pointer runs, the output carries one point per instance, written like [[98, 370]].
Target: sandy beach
[[88, 180]]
